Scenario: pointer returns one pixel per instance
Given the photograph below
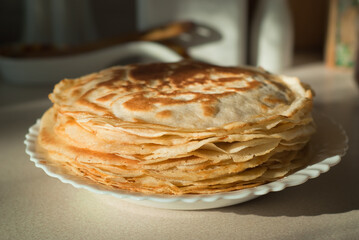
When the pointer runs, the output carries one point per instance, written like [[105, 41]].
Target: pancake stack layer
[[178, 128]]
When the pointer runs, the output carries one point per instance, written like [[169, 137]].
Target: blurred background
[[275, 34]]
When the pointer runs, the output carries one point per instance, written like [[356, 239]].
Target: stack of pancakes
[[178, 128]]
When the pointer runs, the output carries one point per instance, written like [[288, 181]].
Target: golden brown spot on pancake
[[164, 114], [149, 72], [250, 86], [92, 106], [106, 97], [209, 110], [108, 84], [116, 76], [208, 104], [142, 103], [263, 106], [137, 120], [86, 94], [188, 74], [75, 89], [229, 79], [75, 92], [273, 100], [139, 103]]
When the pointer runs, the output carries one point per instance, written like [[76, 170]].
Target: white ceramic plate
[[328, 145]]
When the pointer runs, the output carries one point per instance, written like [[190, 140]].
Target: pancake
[[178, 128]]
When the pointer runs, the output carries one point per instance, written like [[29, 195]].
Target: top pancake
[[186, 95]]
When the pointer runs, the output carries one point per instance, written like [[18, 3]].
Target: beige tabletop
[[36, 206]]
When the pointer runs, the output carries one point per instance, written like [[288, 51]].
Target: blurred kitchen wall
[[114, 17], [310, 20]]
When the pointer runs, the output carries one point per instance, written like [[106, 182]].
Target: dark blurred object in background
[[111, 18], [11, 20]]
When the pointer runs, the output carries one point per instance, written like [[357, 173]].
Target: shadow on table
[[336, 191]]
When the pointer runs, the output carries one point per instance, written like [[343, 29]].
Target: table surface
[[36, 206]]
